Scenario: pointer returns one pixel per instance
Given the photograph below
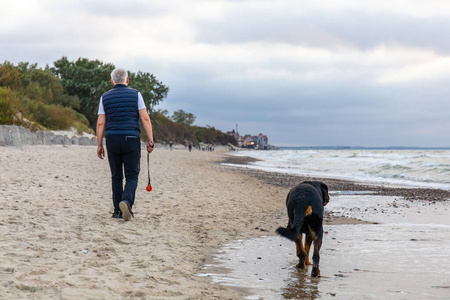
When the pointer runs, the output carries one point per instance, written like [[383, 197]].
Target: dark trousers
[[124, 154]]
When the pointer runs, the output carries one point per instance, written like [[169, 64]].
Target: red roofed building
[[236, 136], [264, 140], [259, 141]]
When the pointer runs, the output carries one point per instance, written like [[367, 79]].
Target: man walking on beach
[[119, 112]]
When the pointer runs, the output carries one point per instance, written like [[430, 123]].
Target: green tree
[[163, 112], [182, 117], [152, 90], [87, 79], [9, 106], [42, 85], [10, 76]]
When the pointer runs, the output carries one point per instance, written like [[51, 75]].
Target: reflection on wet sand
[[404, 255], [302, 286]]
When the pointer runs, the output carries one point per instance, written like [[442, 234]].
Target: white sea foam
[[420, 168]]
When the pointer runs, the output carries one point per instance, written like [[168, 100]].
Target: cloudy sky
[[305, 73]]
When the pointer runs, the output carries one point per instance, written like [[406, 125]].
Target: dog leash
[[149, 185]]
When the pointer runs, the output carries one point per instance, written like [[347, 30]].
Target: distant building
[[259, 141], [233, 133], [248, 141], [262, 141], [236, 136]]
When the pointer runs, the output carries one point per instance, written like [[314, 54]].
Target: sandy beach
[[59, 241]]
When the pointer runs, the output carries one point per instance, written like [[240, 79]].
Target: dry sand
[[59, 241]]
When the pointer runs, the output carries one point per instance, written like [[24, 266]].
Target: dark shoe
[[125, 207], [117, 215]]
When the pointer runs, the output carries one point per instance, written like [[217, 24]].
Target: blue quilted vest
[[121, 111]]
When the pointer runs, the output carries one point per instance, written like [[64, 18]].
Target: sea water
[[418, 167]]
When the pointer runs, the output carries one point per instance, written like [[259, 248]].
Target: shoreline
[[289, 181]]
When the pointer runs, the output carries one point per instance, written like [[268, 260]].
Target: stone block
[[25, 136], [37, 138], [11, 135], [2, 139]]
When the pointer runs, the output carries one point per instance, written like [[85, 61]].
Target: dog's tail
[[293, 231]]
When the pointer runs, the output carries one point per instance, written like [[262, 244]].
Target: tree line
[[67, 95]]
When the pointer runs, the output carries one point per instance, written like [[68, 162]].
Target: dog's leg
[[308, 242], [308, 238], [316, 257], [301, 254]]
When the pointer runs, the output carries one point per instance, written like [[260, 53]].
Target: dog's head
[[323, 188], [325, 196]]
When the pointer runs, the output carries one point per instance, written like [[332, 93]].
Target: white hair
[[119, 75]]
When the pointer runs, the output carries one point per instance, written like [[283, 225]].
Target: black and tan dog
[[305, 204]]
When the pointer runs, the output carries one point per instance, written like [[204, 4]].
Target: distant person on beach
[[170, 145], [119, 112]]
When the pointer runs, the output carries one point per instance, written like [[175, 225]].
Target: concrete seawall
[[11, 135]]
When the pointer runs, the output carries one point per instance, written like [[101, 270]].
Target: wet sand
[[60, 242], [383, 261]]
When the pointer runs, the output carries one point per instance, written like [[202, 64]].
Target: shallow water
[[405, 256]]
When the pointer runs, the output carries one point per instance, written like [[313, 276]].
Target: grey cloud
[[324, 29], [346, 110], [343, 113], [122, 9]]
